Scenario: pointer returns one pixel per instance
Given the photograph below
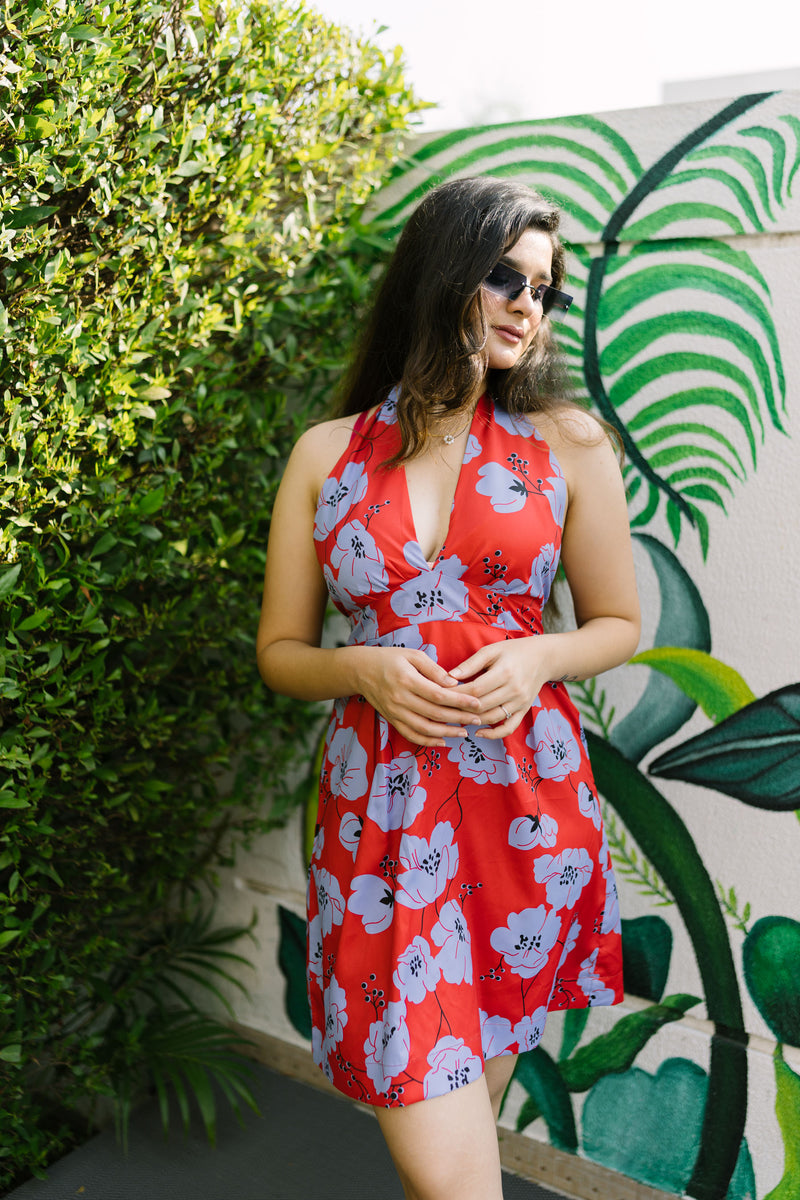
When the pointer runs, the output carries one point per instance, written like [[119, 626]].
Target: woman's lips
[[510, 333]]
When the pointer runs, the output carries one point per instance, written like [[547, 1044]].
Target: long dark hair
[[427, 330]]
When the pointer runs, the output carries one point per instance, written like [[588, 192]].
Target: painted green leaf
[[616, 1050], [647, 1126], [714, 686], [541, 1078], [292, 962], [646, 954], [753, 755], [663, 708], [787, 1109], [575, 1020], [771, 958]]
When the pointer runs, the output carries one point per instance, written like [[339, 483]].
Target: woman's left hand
[[506, 677]]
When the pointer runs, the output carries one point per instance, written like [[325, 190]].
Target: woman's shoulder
[[317, 450], [568, 428]]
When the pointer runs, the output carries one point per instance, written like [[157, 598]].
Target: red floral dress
[[456, 894]]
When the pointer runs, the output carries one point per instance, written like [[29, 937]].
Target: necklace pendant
[[448, 439]]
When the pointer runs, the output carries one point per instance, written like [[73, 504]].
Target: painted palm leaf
[[671, 336], [579, 162], [691, 372]]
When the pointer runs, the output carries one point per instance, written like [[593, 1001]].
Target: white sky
[[503, 60]]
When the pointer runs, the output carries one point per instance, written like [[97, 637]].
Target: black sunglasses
[[505, 281]]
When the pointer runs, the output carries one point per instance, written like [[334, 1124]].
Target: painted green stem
[[666, 842]]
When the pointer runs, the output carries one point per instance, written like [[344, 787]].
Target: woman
[[461, 884]]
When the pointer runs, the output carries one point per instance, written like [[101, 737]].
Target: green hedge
[[179, 264]]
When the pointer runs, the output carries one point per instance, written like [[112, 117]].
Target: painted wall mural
[[681, 223]]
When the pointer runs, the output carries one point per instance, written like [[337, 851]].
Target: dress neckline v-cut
[[430, 563]]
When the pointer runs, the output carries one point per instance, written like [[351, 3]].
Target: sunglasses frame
[[549, 297]]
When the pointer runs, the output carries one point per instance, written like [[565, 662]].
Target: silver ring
[[508, 714]]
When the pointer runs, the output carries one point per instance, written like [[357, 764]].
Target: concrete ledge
[[574, 1177]]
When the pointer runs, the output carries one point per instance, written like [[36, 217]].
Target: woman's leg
[[498, 1074], [446, 1148]]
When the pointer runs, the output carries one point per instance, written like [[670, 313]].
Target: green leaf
[[151, 502], [718, 689], [771, 958], [83, 33], [663, 708], [647, 1127], [787, 1108], [753, 755], [9, 578], [103, 544], [542, 1080], [616, 1050], [575, 1020], [646, 953], [292, 962], [7, 801]]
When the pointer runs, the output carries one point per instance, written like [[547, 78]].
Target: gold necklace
[[449, 438]]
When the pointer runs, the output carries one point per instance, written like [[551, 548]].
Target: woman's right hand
[[418, 697]]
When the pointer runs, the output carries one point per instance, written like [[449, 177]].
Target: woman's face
[[513, 324]]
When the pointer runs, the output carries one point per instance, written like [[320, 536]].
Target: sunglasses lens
[[551, 298], [505, 281]]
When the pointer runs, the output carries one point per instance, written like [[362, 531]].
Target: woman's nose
[[525, 303]]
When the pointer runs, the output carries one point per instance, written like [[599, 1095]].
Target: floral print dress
[[456, 894]]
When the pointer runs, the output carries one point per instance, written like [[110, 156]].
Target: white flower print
[[557, 497], [473, 449], [507, 491], [320, 1052], [525, 943], [427, 866], [371, 899], [396, 797], [339, 595], [451, 933], [358, 562], [570, 942], [452, 1065], [388, 412], [565, 876], [504, 620], [334, 1003], [528, 1031], [337, 498], [315, 949], [319, 842], [365, 627], [497, 1036], [543, 571], [588, 805], [388, 1046], [591, 985], [417, 971], [529, 831], [517, 426], [611, 915], [555, 748], [436, 594], [482, 759], [348, 765], [330, 900], [350, 828]]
